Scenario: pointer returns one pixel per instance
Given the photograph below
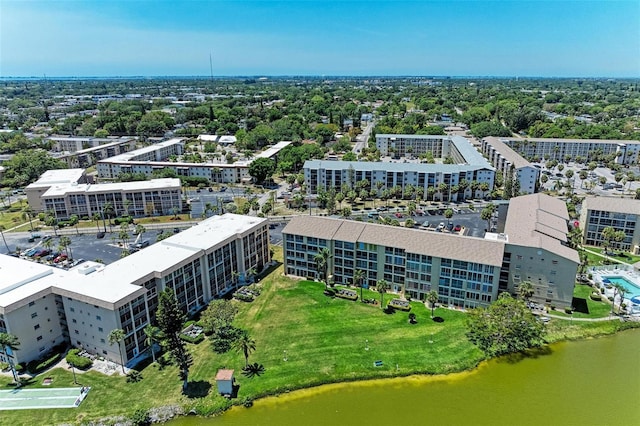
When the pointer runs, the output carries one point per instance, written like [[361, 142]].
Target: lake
[[589, 382]]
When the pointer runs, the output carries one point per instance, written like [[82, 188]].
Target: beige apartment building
[[465, 271], [623, 214], [44, 306]]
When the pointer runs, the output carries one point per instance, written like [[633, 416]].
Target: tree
[[609, 235], [448, 213], [9, 343], [322, 264], [153, 335], [432, 298], [358, 280], [73, 221], [170, 320], [261, 169], [65, 242], [382, 286], [618, 290], [505, 326], [117, 336], [220, 313], [2, 228], [525, 290], [487, 214], [245, 344]]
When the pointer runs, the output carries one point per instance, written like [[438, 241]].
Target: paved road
[[363, 138]]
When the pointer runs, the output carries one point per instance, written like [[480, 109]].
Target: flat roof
[[62, 189], [58, 176], [127, 156], [581, 141], [111, 285], [396, 167], [273, 150]]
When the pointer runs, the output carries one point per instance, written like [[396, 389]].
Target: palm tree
[[96, 218], [382, 286], [432, 298], [618, 290], [10, 343], [358, 280], [116, 336], [108, 211], [322, 264], [73, 221], [245, 344], [2, 228], [65, 242], [153, 335], [525, 290]]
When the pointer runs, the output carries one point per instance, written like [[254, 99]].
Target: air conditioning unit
[[636, 250]]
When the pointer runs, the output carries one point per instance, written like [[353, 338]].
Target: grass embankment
[[595, 259], [324, 340]]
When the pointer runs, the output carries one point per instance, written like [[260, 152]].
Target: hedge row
[[194, 340], [42, 364], [78, 361]]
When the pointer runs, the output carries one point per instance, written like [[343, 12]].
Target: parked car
[[382, 209], [53, 255], [398, 215], [440, 226], [457, 228], [142, 244], [100, 235], [60, 258], [223, 188]]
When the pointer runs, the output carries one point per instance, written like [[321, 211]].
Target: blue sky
[[459, 38]]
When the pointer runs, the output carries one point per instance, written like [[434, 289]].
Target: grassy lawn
[[324, 339], [594, 309], [597, 260]]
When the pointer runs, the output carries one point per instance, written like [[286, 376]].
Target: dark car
[[100, 235], [176, 230]]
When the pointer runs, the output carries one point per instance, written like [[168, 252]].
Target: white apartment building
[[79, 143], [45, 306], [156, 157], [84, 158], [139, 198], [50, 178], [509, 162], [562, 149]]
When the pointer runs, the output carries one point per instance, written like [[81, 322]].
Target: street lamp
[[73, 370], [366, 344]]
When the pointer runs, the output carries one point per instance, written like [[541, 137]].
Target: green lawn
[[325, 342], [597, 260], [595, 309]]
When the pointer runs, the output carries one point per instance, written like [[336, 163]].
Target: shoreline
[[416, 378]]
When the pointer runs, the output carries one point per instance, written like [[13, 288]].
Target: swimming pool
[[632, 288]]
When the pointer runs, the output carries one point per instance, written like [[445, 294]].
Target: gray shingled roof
[[611, 204], [508, 153], [470, 249]]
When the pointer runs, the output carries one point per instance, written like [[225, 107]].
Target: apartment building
[[50, 178], [598, 213], [465, 271], [440, 146], [44, 306], [626, 151], [323, 175], [139, 198], [84, 158], [511, 164], [73, 144]]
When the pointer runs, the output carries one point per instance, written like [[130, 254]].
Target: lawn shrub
[[140, 418], [42, 363], [595, 296], [4, 366], [78, 361], [194, 340]]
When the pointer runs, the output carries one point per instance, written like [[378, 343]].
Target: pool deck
[[625, 271]]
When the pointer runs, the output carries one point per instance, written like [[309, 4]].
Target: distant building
[[88, 157], [79, 143], [51, 178], [623, 214], [509, 162], [140, 198]]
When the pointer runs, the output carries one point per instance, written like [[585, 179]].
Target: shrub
[[134, 376], [4, 366], [242, 296], [42, 364], [194, 340], [595, 296], [140, 418], [568, 310], [20, 367], [78, 361]]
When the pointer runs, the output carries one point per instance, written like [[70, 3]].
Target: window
[[98, 317], [72, 309], [100, 329], [32, 303], [39, 338], [42, 348], [76, 331], [33, 315], [37, 326], [102, 341], [74, 321]]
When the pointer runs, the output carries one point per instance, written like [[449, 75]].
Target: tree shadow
[[198, 389], [532, 353], [438, 319]]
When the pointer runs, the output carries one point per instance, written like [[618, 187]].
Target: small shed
[[225, 381]]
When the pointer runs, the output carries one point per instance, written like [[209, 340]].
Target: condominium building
[[139, 198], [156, 157], [44, 306], [626, 151], [51, 178], [440, 146], [88, 157], [465, 271], [79, 143], [511, 164], [622, 214], [432, 181]]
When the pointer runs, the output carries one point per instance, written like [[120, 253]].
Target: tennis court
[[29, 399]]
